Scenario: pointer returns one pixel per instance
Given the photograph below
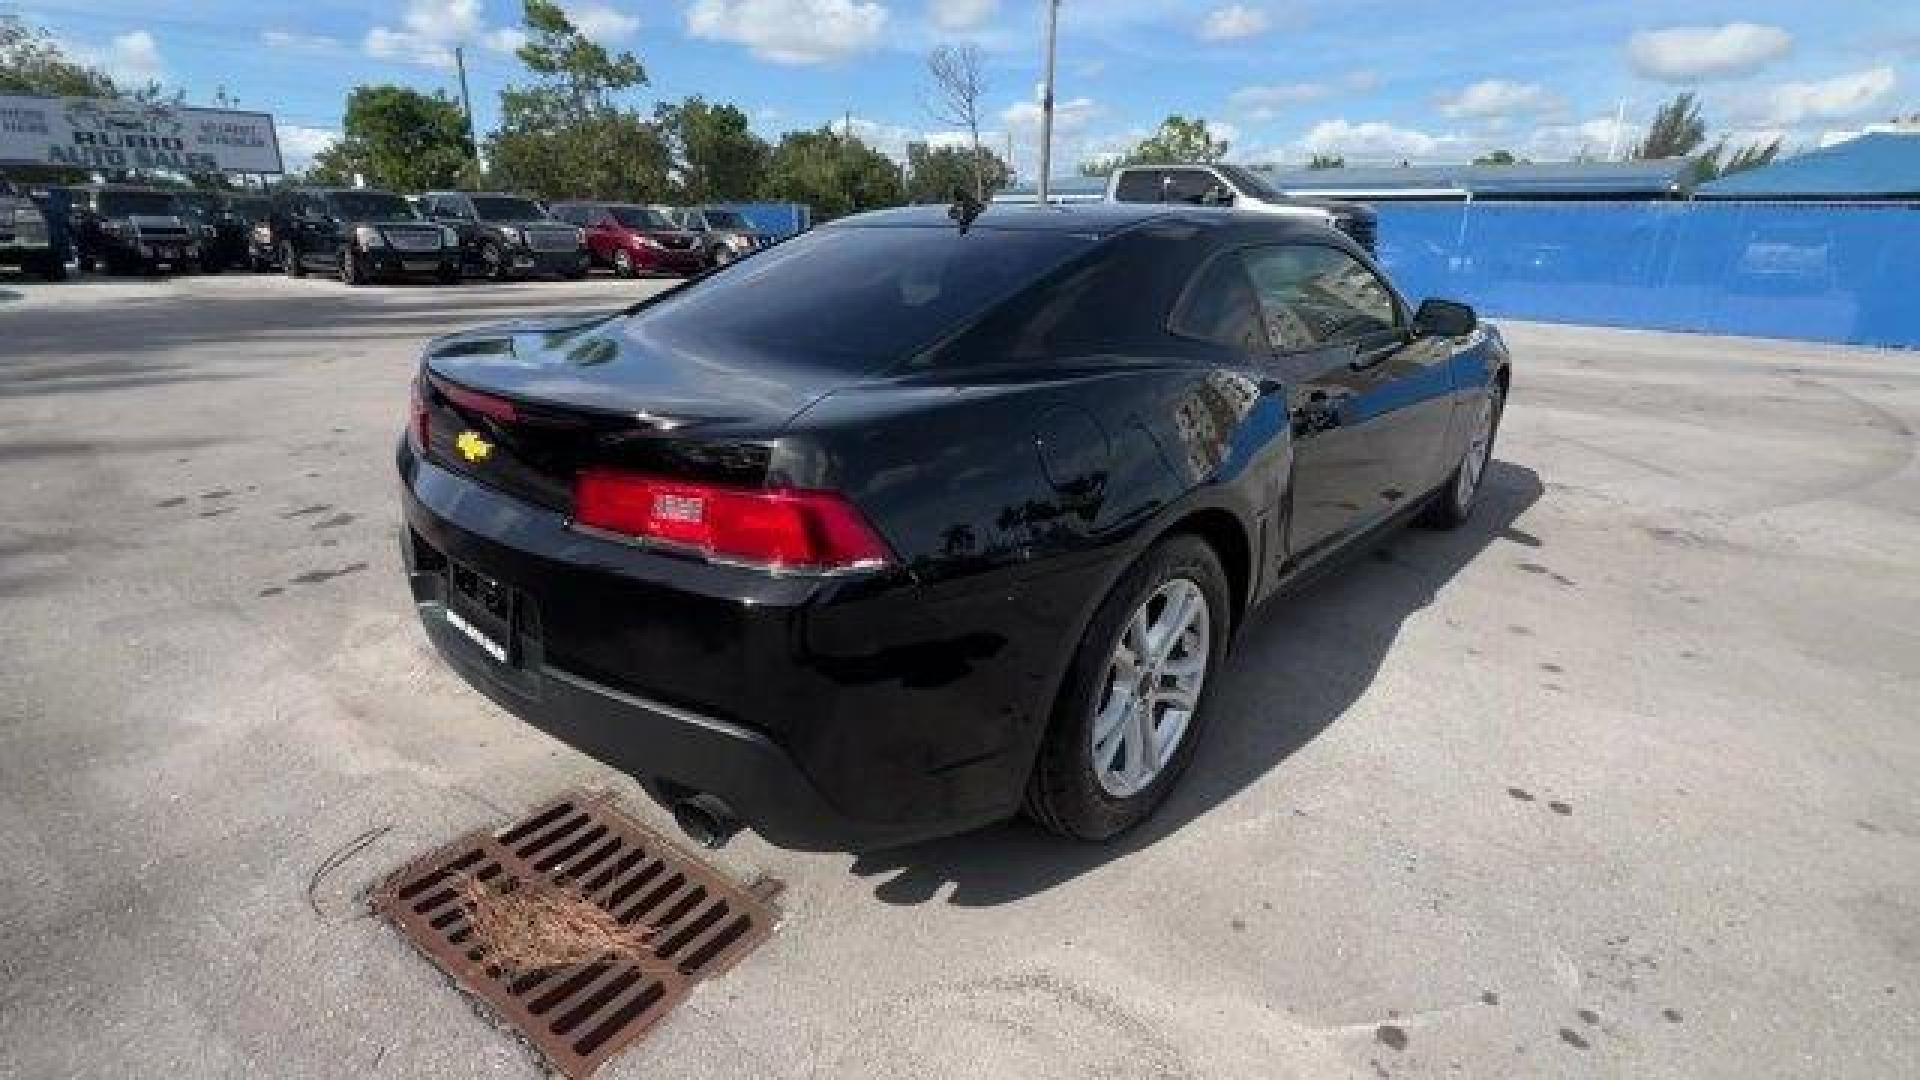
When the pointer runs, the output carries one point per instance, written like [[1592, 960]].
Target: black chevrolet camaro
[[901, 526]]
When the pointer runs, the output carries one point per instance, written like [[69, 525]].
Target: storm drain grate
[[581, 850]]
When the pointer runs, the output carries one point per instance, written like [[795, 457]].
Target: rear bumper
[[842, 728]]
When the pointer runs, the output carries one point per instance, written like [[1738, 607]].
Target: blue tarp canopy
[[1877, 165], [1527, 180]]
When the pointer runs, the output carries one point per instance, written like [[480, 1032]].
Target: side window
[[1189, 185], [1220, 306], [1312, 295], [1138, 186], [569, 214]]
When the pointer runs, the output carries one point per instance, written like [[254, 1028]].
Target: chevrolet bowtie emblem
[[472, 446]]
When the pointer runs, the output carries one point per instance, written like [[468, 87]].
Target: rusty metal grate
[[579, 1015]]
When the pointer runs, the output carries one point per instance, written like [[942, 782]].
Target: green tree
[[1677, 130], [1498, 157], [399, 138], [1101, 166], [715, 153], [1178, 141], [1326, 161], [1709, 166], [832, 173], [564, 135], [934, 174], [32, 62]]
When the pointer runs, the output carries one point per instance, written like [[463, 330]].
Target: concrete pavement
[[1619, 780]]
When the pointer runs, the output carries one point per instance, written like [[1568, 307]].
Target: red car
[[633, 239]]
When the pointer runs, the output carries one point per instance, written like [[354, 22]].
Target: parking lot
[[1619, 780]]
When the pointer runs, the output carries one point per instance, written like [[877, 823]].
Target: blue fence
[[1818, 272]]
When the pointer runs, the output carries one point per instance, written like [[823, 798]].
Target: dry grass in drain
[[534, 925]]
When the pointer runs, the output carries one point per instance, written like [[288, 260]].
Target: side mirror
[[1444, 318]]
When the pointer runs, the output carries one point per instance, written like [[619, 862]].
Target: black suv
[[222, 227], [132, 229], [28, 237], [360, 234], [505, 236]]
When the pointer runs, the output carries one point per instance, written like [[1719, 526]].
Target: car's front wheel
[[1451, 508], [290, 260], [352, 271], [1132, 708], [623, 264]]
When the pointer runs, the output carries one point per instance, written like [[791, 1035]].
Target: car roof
[[1103, 219]]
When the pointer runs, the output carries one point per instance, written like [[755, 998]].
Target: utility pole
[[1046, 102], [1619, 121], [466, 107]]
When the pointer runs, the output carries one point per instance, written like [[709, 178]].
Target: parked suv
[[634, 239], [27, 239], [1231, 185], [222, 234], [126, 229], [505, 236], [360, 234], [724, 234]]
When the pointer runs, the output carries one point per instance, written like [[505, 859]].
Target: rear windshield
[[154, 203], [639, 217], [372, 206], [855, 299], [494, 208]]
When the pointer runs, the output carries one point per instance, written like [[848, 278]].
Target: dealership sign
[[97, 133]]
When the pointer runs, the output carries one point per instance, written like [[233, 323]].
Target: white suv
[[1231, 185]]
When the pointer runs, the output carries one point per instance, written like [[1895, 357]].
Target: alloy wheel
[[1153, 682], [623, 263]]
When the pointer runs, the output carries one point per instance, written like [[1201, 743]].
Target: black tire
[[493, 259], [1453, 504], [1064, 794], [623, 264], [290, 260], [578, 273], [448, 274], [87, 264], [723, 255], [352, 273], [53, 267]]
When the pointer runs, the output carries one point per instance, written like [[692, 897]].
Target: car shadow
[[1299, 665]]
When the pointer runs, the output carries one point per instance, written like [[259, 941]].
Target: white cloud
[[1685, 54], [600, 21], [428, 32], [1594, 138], [1073, 119], [791, 31], [1846, 96], [1492, 99], [1369, 140], [1234, 22], [299, 145], [961, 14], [1266, 102], [505, 39], [297, 42], [132, 59]]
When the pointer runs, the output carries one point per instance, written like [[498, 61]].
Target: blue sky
[[1372, 80]]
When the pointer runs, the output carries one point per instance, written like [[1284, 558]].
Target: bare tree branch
[[958, 86]]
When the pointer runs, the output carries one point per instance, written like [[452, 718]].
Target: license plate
[[481, 607]]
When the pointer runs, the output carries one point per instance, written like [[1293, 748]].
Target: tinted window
[[498, 208], [1138, 185], [1312, 295], [1189, 185], [639, 217], [370, 206], [1251, 183], [122, 203], [250, 205], [853, 298], [573, 215], [1221, 307], [725, 219], [199, 203]]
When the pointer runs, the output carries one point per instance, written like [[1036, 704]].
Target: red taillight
[[805, 530], [421, 426]]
